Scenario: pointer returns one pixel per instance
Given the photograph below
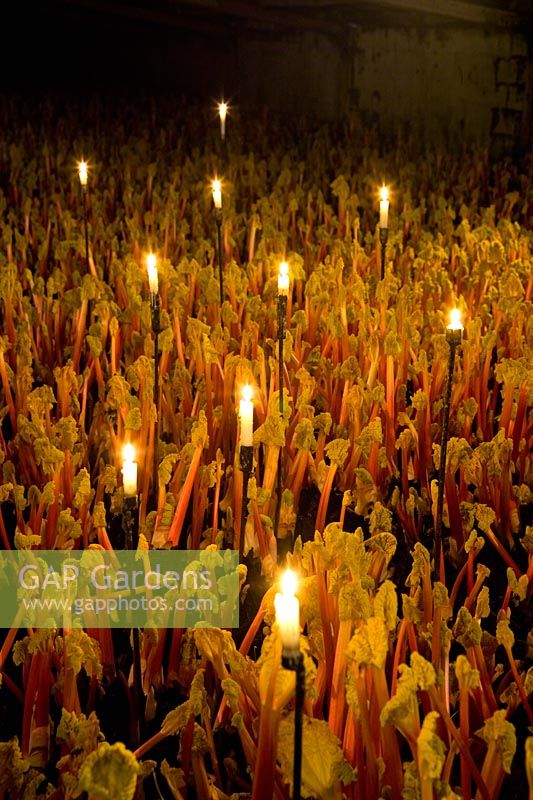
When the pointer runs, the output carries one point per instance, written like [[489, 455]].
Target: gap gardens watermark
[[119, 589]]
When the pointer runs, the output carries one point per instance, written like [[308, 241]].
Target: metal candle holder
[[282, 332], [383, 238], [453, 337], [293, 660], [155, 307], [130, 528], [218, 220], [129, 522], [246, 463], [137, 683], [85, 222]]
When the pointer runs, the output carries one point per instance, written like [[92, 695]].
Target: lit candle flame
[[289, 583], [216, 186], [129, 470], [288, 612], [153, 278], [455, 320], [283, 278], [222, 111], [128, 453], [384, 207], [246, 417], [83, 170]]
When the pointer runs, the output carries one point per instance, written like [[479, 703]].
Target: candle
[[246, 414], [83, 172], [222, 111], [153, 280], [455, 321], [129, 471], [384, 207], [283, 278], [217, 193], [288, 611]]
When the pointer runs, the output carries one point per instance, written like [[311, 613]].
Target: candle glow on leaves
[[153, 279]]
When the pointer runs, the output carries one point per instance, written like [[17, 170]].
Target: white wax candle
[[129, 471], [246, 414], [222, 111], [455, 320], [283, 278], [83, 172], [217, 193], [288, 612], [384, 207], [153, 278]]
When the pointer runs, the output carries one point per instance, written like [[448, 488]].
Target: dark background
[[452, 69]]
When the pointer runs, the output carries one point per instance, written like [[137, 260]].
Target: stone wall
[[296, 72], [446, 83]]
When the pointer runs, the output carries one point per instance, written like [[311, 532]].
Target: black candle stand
[[293, 660], [131, 537], [453, 337], [85, 222], [155, 308], [246, 463], [282, 332], [129, 522], [383, 238], [218, 220]]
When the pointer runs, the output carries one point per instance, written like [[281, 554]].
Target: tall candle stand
[[287, 608], [137, 683], [83, 176], [216, 188], [383, 225], [218, 221], [282, 332], [130, 528], [155, 308], [129, 522], [222, 113], [294, 660], [246, 463], [85, 224], [383, 238], [454, 335]]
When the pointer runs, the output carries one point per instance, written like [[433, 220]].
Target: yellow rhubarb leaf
[[324, 768], [110, 773]]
